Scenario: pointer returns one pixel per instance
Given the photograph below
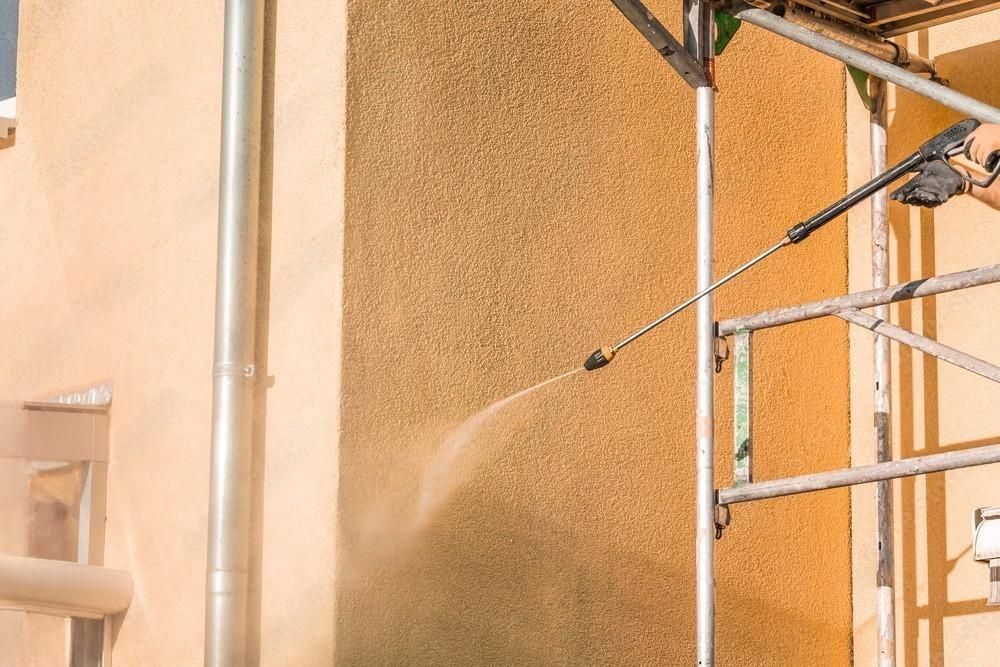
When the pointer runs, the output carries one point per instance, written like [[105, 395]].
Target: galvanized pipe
[[705, 411], [901, 292], [886, 600], [235, 317], [876, 67], [834, 479], [699, 42], [861, 40], [926, 345]]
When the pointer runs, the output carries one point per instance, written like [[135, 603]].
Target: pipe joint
[[234, 370]]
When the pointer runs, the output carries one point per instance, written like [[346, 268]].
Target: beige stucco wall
[[940, 590], [520, 189], [108, 247]]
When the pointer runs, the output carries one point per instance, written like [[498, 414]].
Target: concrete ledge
[[62, 588]]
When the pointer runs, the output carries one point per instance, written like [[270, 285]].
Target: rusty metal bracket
[[723, 517], [665, 44], [721, 352]]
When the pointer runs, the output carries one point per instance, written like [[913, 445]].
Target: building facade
[[459, 201]]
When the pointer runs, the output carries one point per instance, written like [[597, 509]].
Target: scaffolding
[[855, 32]]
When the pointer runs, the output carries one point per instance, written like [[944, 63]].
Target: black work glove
[[934, 184]]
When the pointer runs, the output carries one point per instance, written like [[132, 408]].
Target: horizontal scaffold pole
[[920, 465], [902, 292], [953, 99]]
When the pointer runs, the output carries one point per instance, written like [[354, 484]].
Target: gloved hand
[[934, 184], [982, 142]]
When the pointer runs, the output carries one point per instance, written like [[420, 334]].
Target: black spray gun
[[944, 146]]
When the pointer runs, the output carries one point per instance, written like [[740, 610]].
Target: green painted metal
[[743, 408], [725, 29], [860, 79]]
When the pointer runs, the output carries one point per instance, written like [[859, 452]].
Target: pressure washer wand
[[940, 147], [604, 355], [708, 290]]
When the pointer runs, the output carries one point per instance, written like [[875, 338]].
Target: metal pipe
[[699, 42], [801, 231], [863, 41], [834, 479], [886, 599], [866, 62], [915, 289], [235, 317], [925, 345], [705, 412]]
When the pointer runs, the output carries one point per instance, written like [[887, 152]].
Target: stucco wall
[[940, 591], [108, 246], [520, 189]]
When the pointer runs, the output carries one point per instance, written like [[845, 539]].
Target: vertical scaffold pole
[[698, 41], [883, 427]]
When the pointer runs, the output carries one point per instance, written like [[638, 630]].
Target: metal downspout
[[235, 318]]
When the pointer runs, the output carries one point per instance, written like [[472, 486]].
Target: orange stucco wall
[[941, 613], [519, 190]]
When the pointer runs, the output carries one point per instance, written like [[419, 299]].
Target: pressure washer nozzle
[[599, 359]]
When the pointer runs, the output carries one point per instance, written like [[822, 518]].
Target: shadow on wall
[[527, 591], [924, 511], [261, 341]]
